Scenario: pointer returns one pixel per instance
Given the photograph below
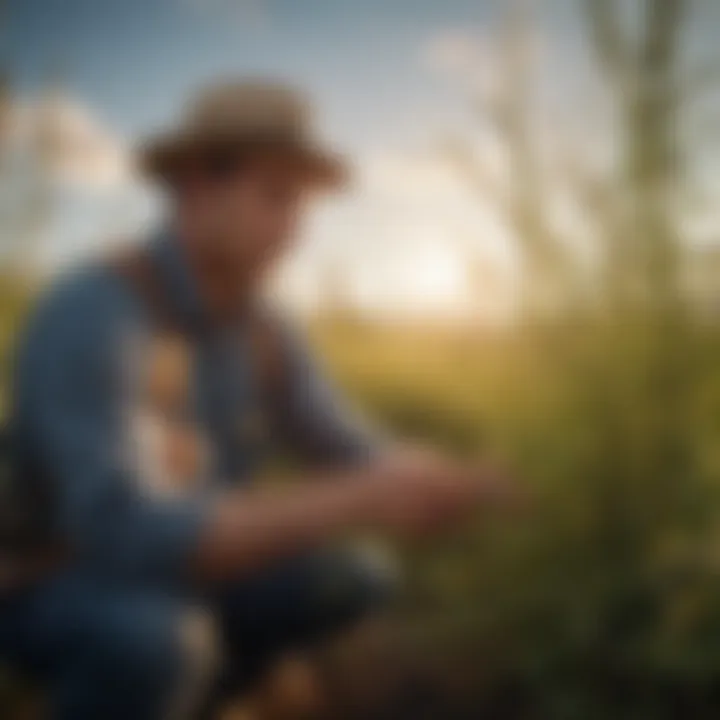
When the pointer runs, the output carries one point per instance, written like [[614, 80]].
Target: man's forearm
[[250, 528]]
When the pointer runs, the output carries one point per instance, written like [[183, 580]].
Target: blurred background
[[528, 263]]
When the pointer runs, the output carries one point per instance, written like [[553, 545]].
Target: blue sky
[[367, 63], [136, 59]]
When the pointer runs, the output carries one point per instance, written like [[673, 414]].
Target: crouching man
[[151, 390]]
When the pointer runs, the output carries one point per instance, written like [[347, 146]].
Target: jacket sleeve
[[74, 390], [318, 423]]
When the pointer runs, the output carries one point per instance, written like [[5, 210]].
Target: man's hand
[[409, 492], [419, 491]]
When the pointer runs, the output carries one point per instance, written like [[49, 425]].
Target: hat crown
[[244, 114], [255, 107]]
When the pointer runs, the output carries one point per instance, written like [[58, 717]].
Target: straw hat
[[245, 115]]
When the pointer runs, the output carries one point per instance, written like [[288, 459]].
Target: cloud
[[59, 139], [72, 146], [66, 181], [479, 59], [468, 58], [452, 51]]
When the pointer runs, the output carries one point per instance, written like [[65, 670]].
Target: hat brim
[[163, 157]]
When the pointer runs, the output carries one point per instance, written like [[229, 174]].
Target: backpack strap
[[269, 361], [137, 269], [24, 563]]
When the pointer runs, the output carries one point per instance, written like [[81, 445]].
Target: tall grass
[[603, 599]]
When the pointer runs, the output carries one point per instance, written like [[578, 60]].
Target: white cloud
[[479, 59], [452, 51], [465, 57], [62, 140], [66, 181], [75, 148]]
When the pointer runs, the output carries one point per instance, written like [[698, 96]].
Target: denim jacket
[[77, 377]]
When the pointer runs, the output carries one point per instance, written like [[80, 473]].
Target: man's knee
[[353, 584], [306, 601], [181, 662], [198, 643], [158, 662], [373, 573]]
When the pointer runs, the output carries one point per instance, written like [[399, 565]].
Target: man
[[155, 586]]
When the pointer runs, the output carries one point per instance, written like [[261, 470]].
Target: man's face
[[240, 214]]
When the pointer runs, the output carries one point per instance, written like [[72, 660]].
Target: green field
[[602, 599]]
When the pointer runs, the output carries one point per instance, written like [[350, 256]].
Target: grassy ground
[[604, 601], [601, 602]]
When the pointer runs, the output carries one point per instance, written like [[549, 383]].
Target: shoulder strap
[[269, 359], [136, 268]]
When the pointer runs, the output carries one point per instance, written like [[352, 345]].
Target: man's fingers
[[499, 488]]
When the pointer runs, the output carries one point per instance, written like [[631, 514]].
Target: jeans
[[115, 652]]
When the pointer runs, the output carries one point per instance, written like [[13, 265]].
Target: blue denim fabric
[[78, 376], [103, 633], [98, 651], [112, 652]]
